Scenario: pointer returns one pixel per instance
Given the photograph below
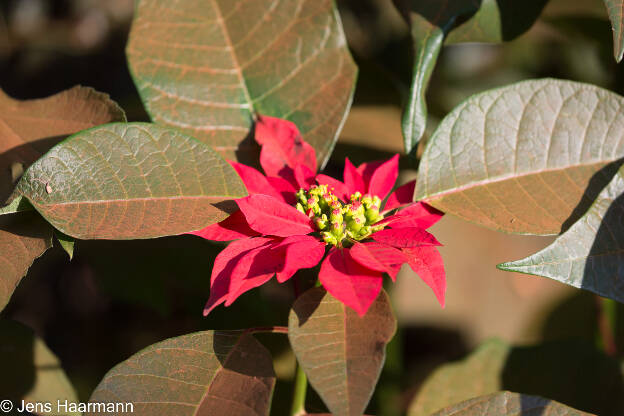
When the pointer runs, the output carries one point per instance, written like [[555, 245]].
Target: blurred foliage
[[115, 298]]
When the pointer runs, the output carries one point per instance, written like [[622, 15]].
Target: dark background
[[115, 298]]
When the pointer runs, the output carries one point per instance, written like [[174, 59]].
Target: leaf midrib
[[502, 178], [217, 372], [238, 66], [110, 201]]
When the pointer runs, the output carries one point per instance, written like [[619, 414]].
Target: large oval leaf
[[23, 238], [207, 67], [341, 353], [615, 8], [30, 128], [526, 158], [539, 370], [27, 130], [590, 254], [209, 373], [131, 180], [433, 22], [509, 404]]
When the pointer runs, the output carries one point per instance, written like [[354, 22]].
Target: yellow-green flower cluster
[[337, 221]]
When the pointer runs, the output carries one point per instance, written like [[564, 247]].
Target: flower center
[[337, 221]]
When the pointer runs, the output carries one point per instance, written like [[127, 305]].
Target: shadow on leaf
[[596, 184], [567, 372], [24, 156]]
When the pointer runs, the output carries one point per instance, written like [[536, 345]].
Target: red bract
[[292, 218]]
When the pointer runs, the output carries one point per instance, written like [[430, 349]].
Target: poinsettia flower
[[294, 219]]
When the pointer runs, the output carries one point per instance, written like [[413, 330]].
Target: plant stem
[[301, 381], [607, 310], [299, 393], [270, 329]]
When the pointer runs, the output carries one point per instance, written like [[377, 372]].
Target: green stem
[[299, 393], [607, 310], [301, 381]]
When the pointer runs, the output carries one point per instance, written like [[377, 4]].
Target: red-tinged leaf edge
[[222, 272], [383, 178], [352, 178], [270, 216], [233, 227], [403, 195], [405, 237], [282, 146], [379, 257], [428, 264], [348, 281]]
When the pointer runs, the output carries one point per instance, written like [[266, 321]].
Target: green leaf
[[23, 238], [563, 371], [434, 22], [494, 20], [207, 373], [17, 204], [526, 158], [31, 371], [615, 8], [341, 353], [509, 404], [66, 242], [30, 128], [208, 67], [589, 254], [131, 180]]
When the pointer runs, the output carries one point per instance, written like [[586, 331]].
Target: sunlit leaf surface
[[131, 180], [526, 158], [341, 353], [208, 67]]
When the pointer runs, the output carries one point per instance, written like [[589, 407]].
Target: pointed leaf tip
[[403, 195], [270, 216], [589, 254], [405, 237], [383, 178], [428, 264], [615, 9], [341, 353], [282, 146], [348, 281]]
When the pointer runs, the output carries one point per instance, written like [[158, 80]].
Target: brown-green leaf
[[615, 8], [341, 353], [23, 238], [590, 254], [509, 404], [30, 128], [208, 67], [131, 180], [433, 22], [209, 373], [31, 372], [526, 158], [27, 130], [564, 371]]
